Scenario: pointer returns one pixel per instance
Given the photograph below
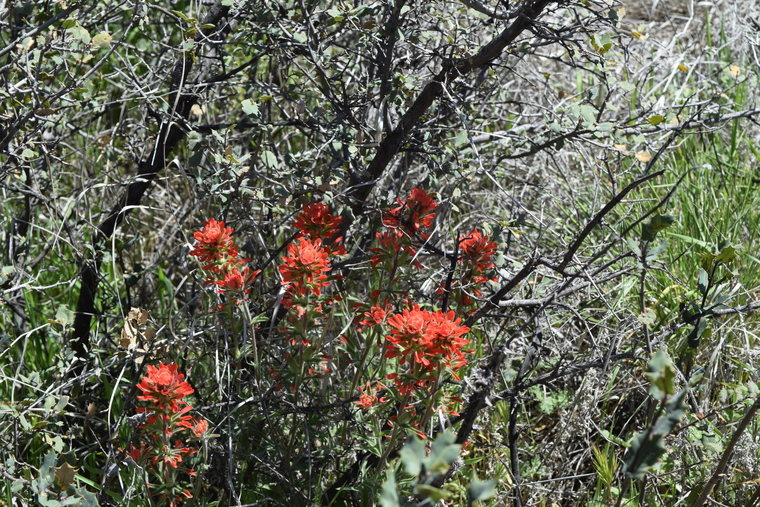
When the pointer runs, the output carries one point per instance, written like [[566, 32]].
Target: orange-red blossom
[[426, 340]]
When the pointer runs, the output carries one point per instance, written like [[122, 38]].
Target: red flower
[[214, 242], [303, 269], [477, 250], [235, 279], [315, 221], [164, 387], [376, 315], [413, 214], [393, 246], [173, 456], [136, 453], [368, 397], [200, 428], [427, 339], [197, 426]]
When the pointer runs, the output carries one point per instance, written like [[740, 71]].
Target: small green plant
[[424, 468]]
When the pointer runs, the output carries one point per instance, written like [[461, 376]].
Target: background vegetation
[[611, 149]]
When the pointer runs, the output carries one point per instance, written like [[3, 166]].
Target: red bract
[[164, 387], [218, 251], [427, 339], [315, 221], [303, 269], [214, 242], [413, 214], [235, 279], [393, 246], [136, 453], [162, 391], [477, 250], [368, 397], [197, 426], [173, 456], [376, 315]]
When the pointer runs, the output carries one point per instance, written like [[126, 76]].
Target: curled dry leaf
[[138, 316], [131, 335]]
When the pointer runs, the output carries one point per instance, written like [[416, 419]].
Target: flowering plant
[[219, 254], [166, 433], [395, 356]]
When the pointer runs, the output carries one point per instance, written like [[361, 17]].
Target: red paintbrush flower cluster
[[369, 395], [219, 254], [163, 392], [315, 222], [406, 222], [164, 389], [304, 270], [425, 341], [214, 244], [305, 267], [475, 254], [413, 214]]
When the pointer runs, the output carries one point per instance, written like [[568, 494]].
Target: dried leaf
[[139, 356], [64, 475], [129, 334], [643, 156]]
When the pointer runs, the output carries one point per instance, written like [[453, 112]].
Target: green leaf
[[480, 490], [627, 86], [605, 127], [656, 119], [269, 159], [661, 373], [656, 250], [87, 499], [430, 492], [46, 477], [388, 494], [250, 107], [443, 452], [612, 438], [64, 316], [727, 255], [703, 281], [62, 402], [588, 113], [654, 225], [461, 139], [649, 445], [411, 456], [80, 33], [102, 40], [701, 330]]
